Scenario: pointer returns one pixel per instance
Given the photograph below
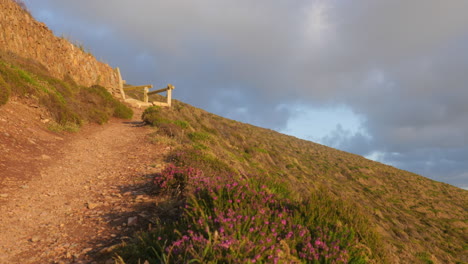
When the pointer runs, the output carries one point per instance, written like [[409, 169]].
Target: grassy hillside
[[68, 104], [295, 201], [238, 193]]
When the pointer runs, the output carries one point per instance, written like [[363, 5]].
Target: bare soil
[[71, 197]]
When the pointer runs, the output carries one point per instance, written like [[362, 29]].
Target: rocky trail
[[71, 198]]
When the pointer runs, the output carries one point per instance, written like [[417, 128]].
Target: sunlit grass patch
[[67, 102], [68, 127]]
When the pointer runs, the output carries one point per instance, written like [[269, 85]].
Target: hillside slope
[[298, 202], [419, 220]]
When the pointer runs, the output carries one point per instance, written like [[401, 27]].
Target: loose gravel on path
[[86, 194]]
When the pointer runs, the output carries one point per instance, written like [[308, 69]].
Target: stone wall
[[22, 34]]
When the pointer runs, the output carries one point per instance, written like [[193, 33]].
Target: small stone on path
[[91, 206], [132, 221]]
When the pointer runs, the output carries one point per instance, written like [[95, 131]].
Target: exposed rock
[[132, 221], [91, 206], [32, 39]]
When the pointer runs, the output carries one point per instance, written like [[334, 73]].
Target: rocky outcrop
[[22, 34]]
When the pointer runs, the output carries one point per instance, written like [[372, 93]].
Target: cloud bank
[[398, 65]]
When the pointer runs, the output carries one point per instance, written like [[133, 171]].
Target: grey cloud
[[399, 64], [443, 165], [354, 142]]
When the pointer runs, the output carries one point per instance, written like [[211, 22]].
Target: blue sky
[[382, 79]]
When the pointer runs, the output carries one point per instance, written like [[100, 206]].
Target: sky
[[387, 80]]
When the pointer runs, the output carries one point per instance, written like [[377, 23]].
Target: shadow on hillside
[[136, 211]]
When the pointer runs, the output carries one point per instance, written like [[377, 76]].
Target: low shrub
[[68, 103], [173, 180], [233, 221], [61, 87], [13, 78], [196, 158], [122, 111], [102, 106], [98, 116], [60, 110], [170, 130], [199, 136], [68, 127], [182, 124], [153, 116]]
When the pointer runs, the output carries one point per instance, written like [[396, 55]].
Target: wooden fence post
[[120, 83], [169, 94], [145, 94]]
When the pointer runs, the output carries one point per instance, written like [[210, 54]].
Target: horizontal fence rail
[[131, 88], [146, 92]]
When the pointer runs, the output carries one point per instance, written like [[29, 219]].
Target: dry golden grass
[[419, 220]]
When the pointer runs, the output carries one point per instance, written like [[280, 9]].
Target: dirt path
[[88, 194]]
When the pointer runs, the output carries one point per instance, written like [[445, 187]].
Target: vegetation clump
[[229, 220], [69, 104], [103, 104], [392, 215]]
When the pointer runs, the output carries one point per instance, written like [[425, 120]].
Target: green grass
[[198, 136], [424, 257], [382, 205], [69, 104], [182, 124], [58, 128]]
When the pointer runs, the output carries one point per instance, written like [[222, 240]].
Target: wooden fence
[[146, 92]]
